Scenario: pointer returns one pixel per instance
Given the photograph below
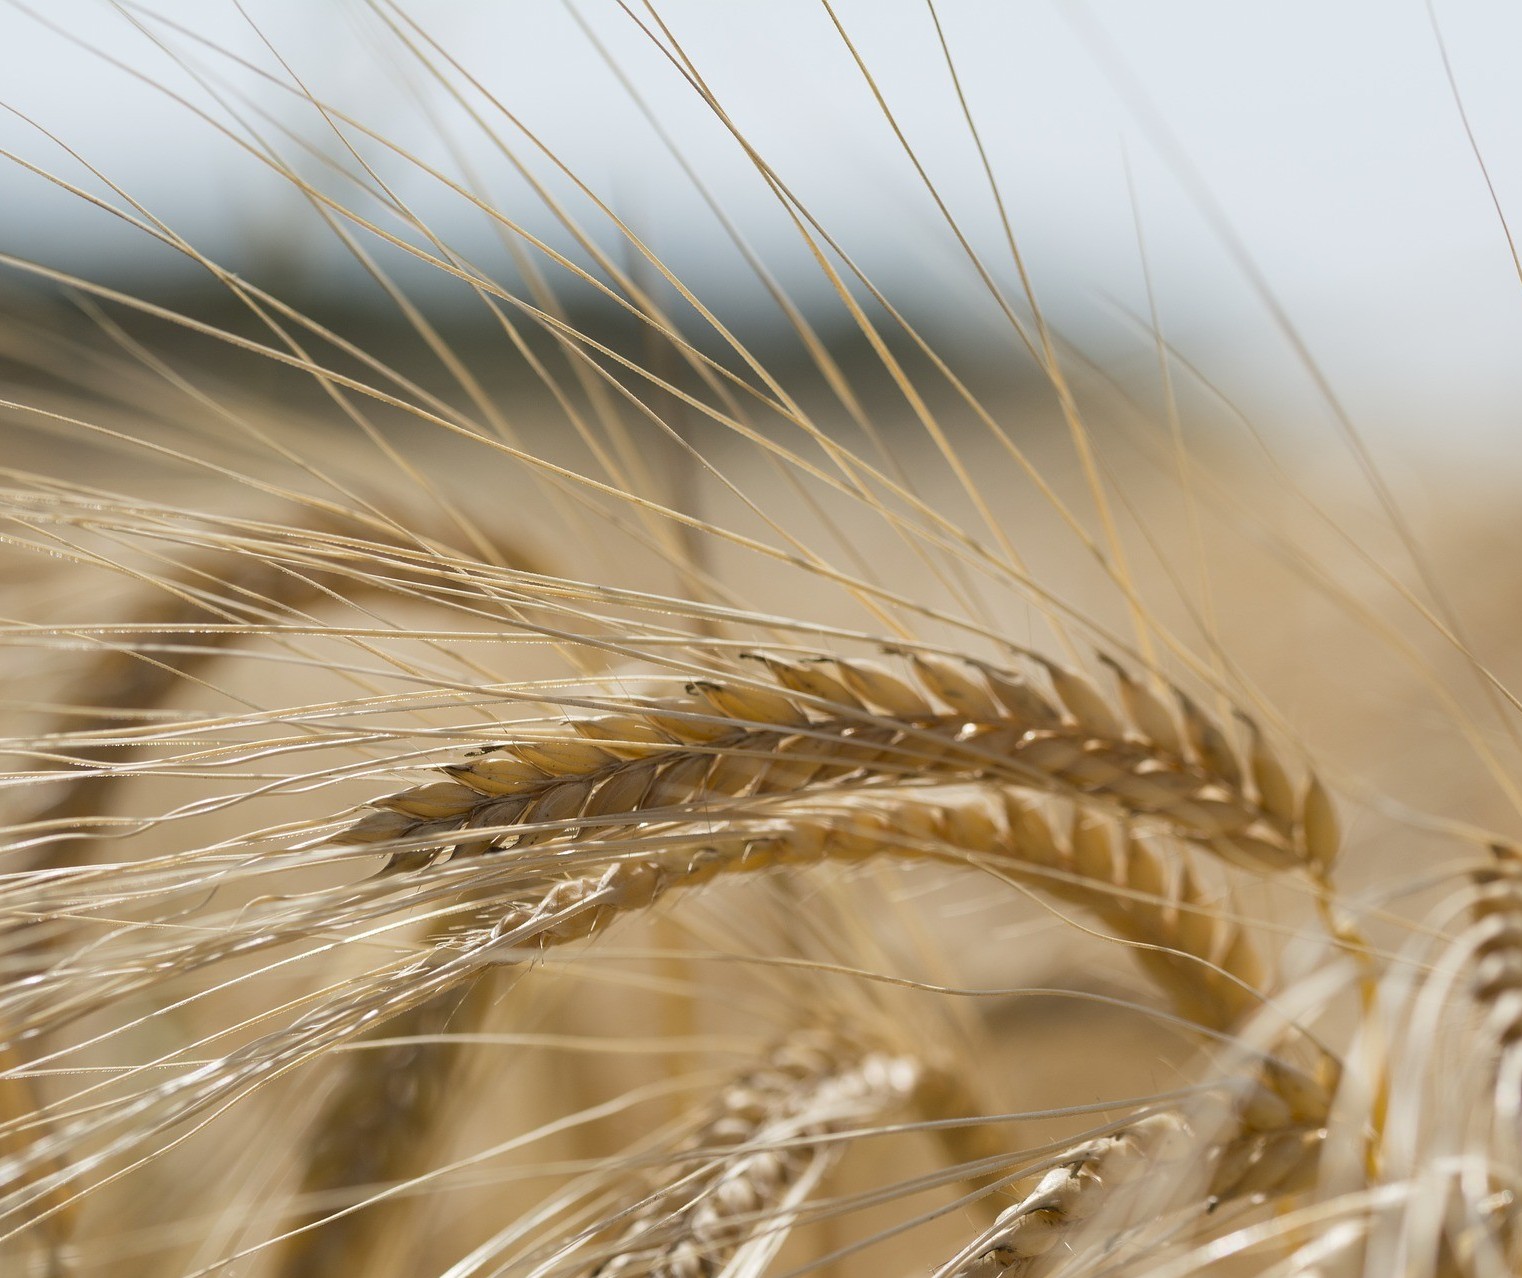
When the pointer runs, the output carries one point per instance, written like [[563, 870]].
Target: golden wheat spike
[[776, 740], [756, 1152]]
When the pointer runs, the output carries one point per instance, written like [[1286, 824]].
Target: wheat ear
[[835, 721], [1494, 1226], [1272, 1150], [1066, 1196], [1201, 957], [1092, 1174], [737, 1179], [377, 1128], [1456, 1129], [537, 906], [1497, 986]]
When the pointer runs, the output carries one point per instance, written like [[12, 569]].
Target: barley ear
[[1066, 1196], [736, 1182]]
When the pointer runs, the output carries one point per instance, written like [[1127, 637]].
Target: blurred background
[[1318, 141]]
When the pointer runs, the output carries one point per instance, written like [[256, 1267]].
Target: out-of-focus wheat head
[[678, 813]]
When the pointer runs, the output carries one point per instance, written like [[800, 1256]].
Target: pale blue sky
[[1324, 129]]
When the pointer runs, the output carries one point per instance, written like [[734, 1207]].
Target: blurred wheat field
[[608, 789]]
